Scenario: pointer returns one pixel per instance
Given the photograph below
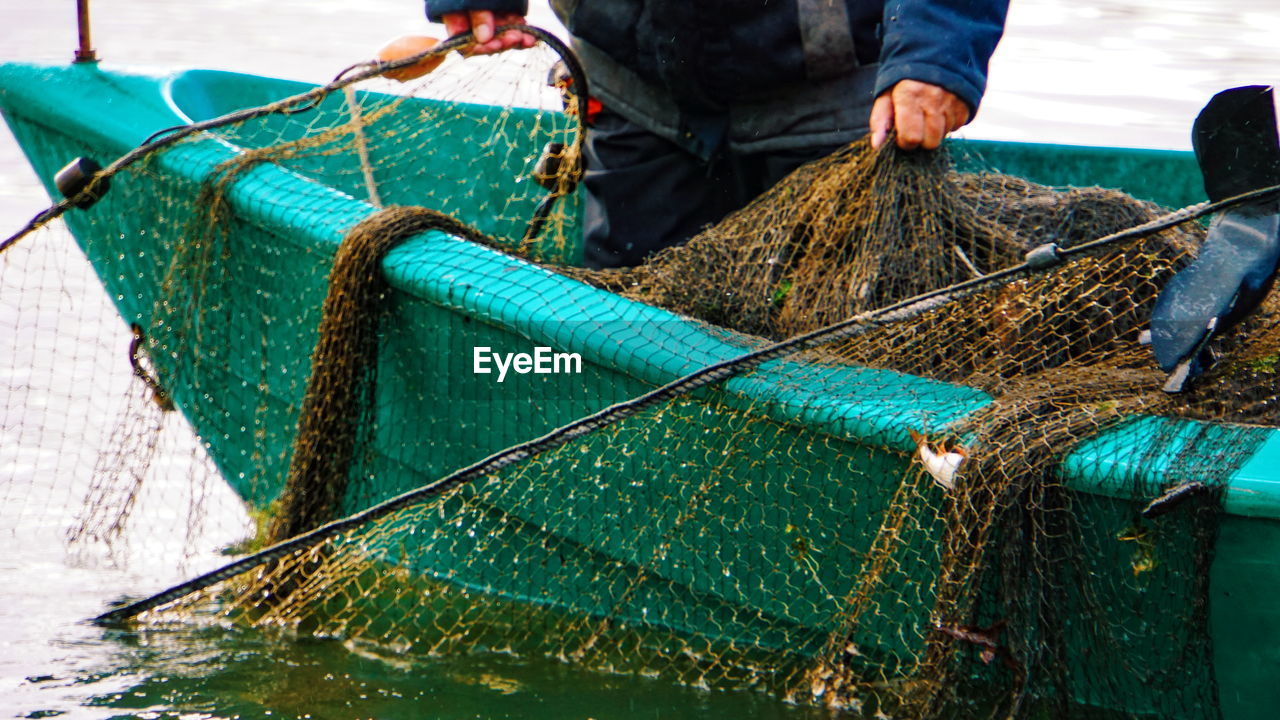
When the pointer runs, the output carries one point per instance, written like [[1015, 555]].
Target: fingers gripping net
[[768, 524]]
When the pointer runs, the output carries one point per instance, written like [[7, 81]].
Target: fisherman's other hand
[[483, 23], [922, 114], [407, 46]]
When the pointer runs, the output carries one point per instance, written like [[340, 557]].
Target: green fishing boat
[[761, 569]]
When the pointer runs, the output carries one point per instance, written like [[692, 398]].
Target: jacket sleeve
[[942, 42], [437, 8]]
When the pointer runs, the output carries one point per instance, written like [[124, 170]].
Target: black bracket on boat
[[78, 175], [550, 166]]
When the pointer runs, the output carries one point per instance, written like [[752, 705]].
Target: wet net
[[833, 448]]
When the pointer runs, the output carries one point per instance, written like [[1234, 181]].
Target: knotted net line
[[771, 529]]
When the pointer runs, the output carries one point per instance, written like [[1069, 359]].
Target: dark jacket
[[688, 69]]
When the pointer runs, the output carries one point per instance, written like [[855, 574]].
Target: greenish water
[[1119, 72], [216, 674], [54, 664]]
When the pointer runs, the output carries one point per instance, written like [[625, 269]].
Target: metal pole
[[85, 52]]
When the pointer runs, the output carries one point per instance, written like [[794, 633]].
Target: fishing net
[[829, 448]]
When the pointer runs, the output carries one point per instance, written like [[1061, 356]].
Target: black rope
[[289, 111], [579, 88], [707, 376], [290, 105]]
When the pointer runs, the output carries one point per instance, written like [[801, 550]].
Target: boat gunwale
[[448, 271]]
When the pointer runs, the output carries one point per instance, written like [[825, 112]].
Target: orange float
[[408, 46]]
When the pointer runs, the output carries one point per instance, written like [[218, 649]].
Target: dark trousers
[[644, 193]]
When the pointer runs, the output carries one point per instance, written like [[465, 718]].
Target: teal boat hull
[[244, 397]]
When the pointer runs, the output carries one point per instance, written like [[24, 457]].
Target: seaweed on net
[[712, 540], [989, 585], [1058, 352]]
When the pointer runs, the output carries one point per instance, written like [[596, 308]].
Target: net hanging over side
[[890, 507]]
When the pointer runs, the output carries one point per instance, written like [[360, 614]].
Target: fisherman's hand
[[922, 114], [483, 23]]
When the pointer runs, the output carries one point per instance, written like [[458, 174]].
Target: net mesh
[[936, 515]]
